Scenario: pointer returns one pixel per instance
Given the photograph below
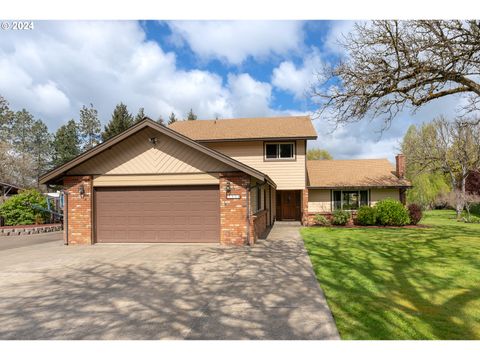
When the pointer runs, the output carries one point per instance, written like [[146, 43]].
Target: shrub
[[340, 217], [17, 211], [367, 215], [475, 209], [391, 212], [472, 219], [415, 213], [321, 220]]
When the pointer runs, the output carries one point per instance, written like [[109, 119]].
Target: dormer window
[[280, 151]]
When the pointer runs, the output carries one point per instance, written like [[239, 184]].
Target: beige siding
[[319, 201], [287, 174], [136, 155], [253, 196], [147, 180], [380, 194]]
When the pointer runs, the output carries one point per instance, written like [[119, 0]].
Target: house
[[223, 181], [7, 190]]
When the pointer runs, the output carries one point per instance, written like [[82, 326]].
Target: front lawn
[[417, 283]]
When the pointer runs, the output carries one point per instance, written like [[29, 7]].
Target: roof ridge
[[244, 118], [348, 159]]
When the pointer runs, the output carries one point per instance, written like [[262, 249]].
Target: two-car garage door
[[157, 214]]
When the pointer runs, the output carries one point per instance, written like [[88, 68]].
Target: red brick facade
[[233, 212], [305, 219], [79, 213], [258, 225]]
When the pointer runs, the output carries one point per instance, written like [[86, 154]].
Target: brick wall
[[233, 212], [258, 226], [305, 218], [79, 212]]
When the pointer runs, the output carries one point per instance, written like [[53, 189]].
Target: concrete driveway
[[161, 291]]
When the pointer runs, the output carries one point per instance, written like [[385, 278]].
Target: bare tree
[[393, 64], [450, 147], [469, 199]]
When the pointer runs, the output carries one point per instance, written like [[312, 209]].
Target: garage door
[[157, 214]]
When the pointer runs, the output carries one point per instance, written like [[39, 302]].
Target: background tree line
[[28, 149]]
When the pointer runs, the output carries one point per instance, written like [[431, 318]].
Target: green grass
[[421, 283]]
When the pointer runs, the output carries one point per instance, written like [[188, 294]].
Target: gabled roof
[[286, 127], [60, 171], [329, 174]]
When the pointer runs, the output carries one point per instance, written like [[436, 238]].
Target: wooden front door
[[289, 205]]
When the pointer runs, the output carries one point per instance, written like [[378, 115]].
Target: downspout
[[248, 207], [65, 216], [248, 216]]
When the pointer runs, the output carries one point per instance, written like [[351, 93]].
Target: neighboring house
[[7, 190], [221, 181]]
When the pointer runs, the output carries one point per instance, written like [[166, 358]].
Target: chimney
[[400, 162]]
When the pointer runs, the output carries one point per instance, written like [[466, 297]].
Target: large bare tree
[[393, 64]]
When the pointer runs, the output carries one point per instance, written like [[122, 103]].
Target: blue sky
[[218, 68]]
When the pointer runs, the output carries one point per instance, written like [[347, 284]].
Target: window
[[279, 151], [350, 199]]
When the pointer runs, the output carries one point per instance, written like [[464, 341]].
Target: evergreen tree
[[172, 118], [89, 127], [160, 120], [66, 143], [41, 148], [140, 115], [121, 120], [21, 133], [6, 120], [191, 115], [7, 156], [22, 145]]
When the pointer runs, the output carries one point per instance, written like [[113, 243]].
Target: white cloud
[[297, 80], [60, 66], [338, 30], [250, 97], [235, 41]]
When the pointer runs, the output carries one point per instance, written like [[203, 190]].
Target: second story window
[[279, 151]]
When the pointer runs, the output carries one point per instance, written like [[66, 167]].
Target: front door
[[289, 205]]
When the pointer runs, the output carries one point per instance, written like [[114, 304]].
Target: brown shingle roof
[[286, 127], [56, 174], [353, 173]]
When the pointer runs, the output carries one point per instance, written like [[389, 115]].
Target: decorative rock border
[[29, 229]]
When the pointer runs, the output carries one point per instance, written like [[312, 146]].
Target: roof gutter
[[360, 187]]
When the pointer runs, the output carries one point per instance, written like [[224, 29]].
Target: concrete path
[[12, 242], [52, 291]]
